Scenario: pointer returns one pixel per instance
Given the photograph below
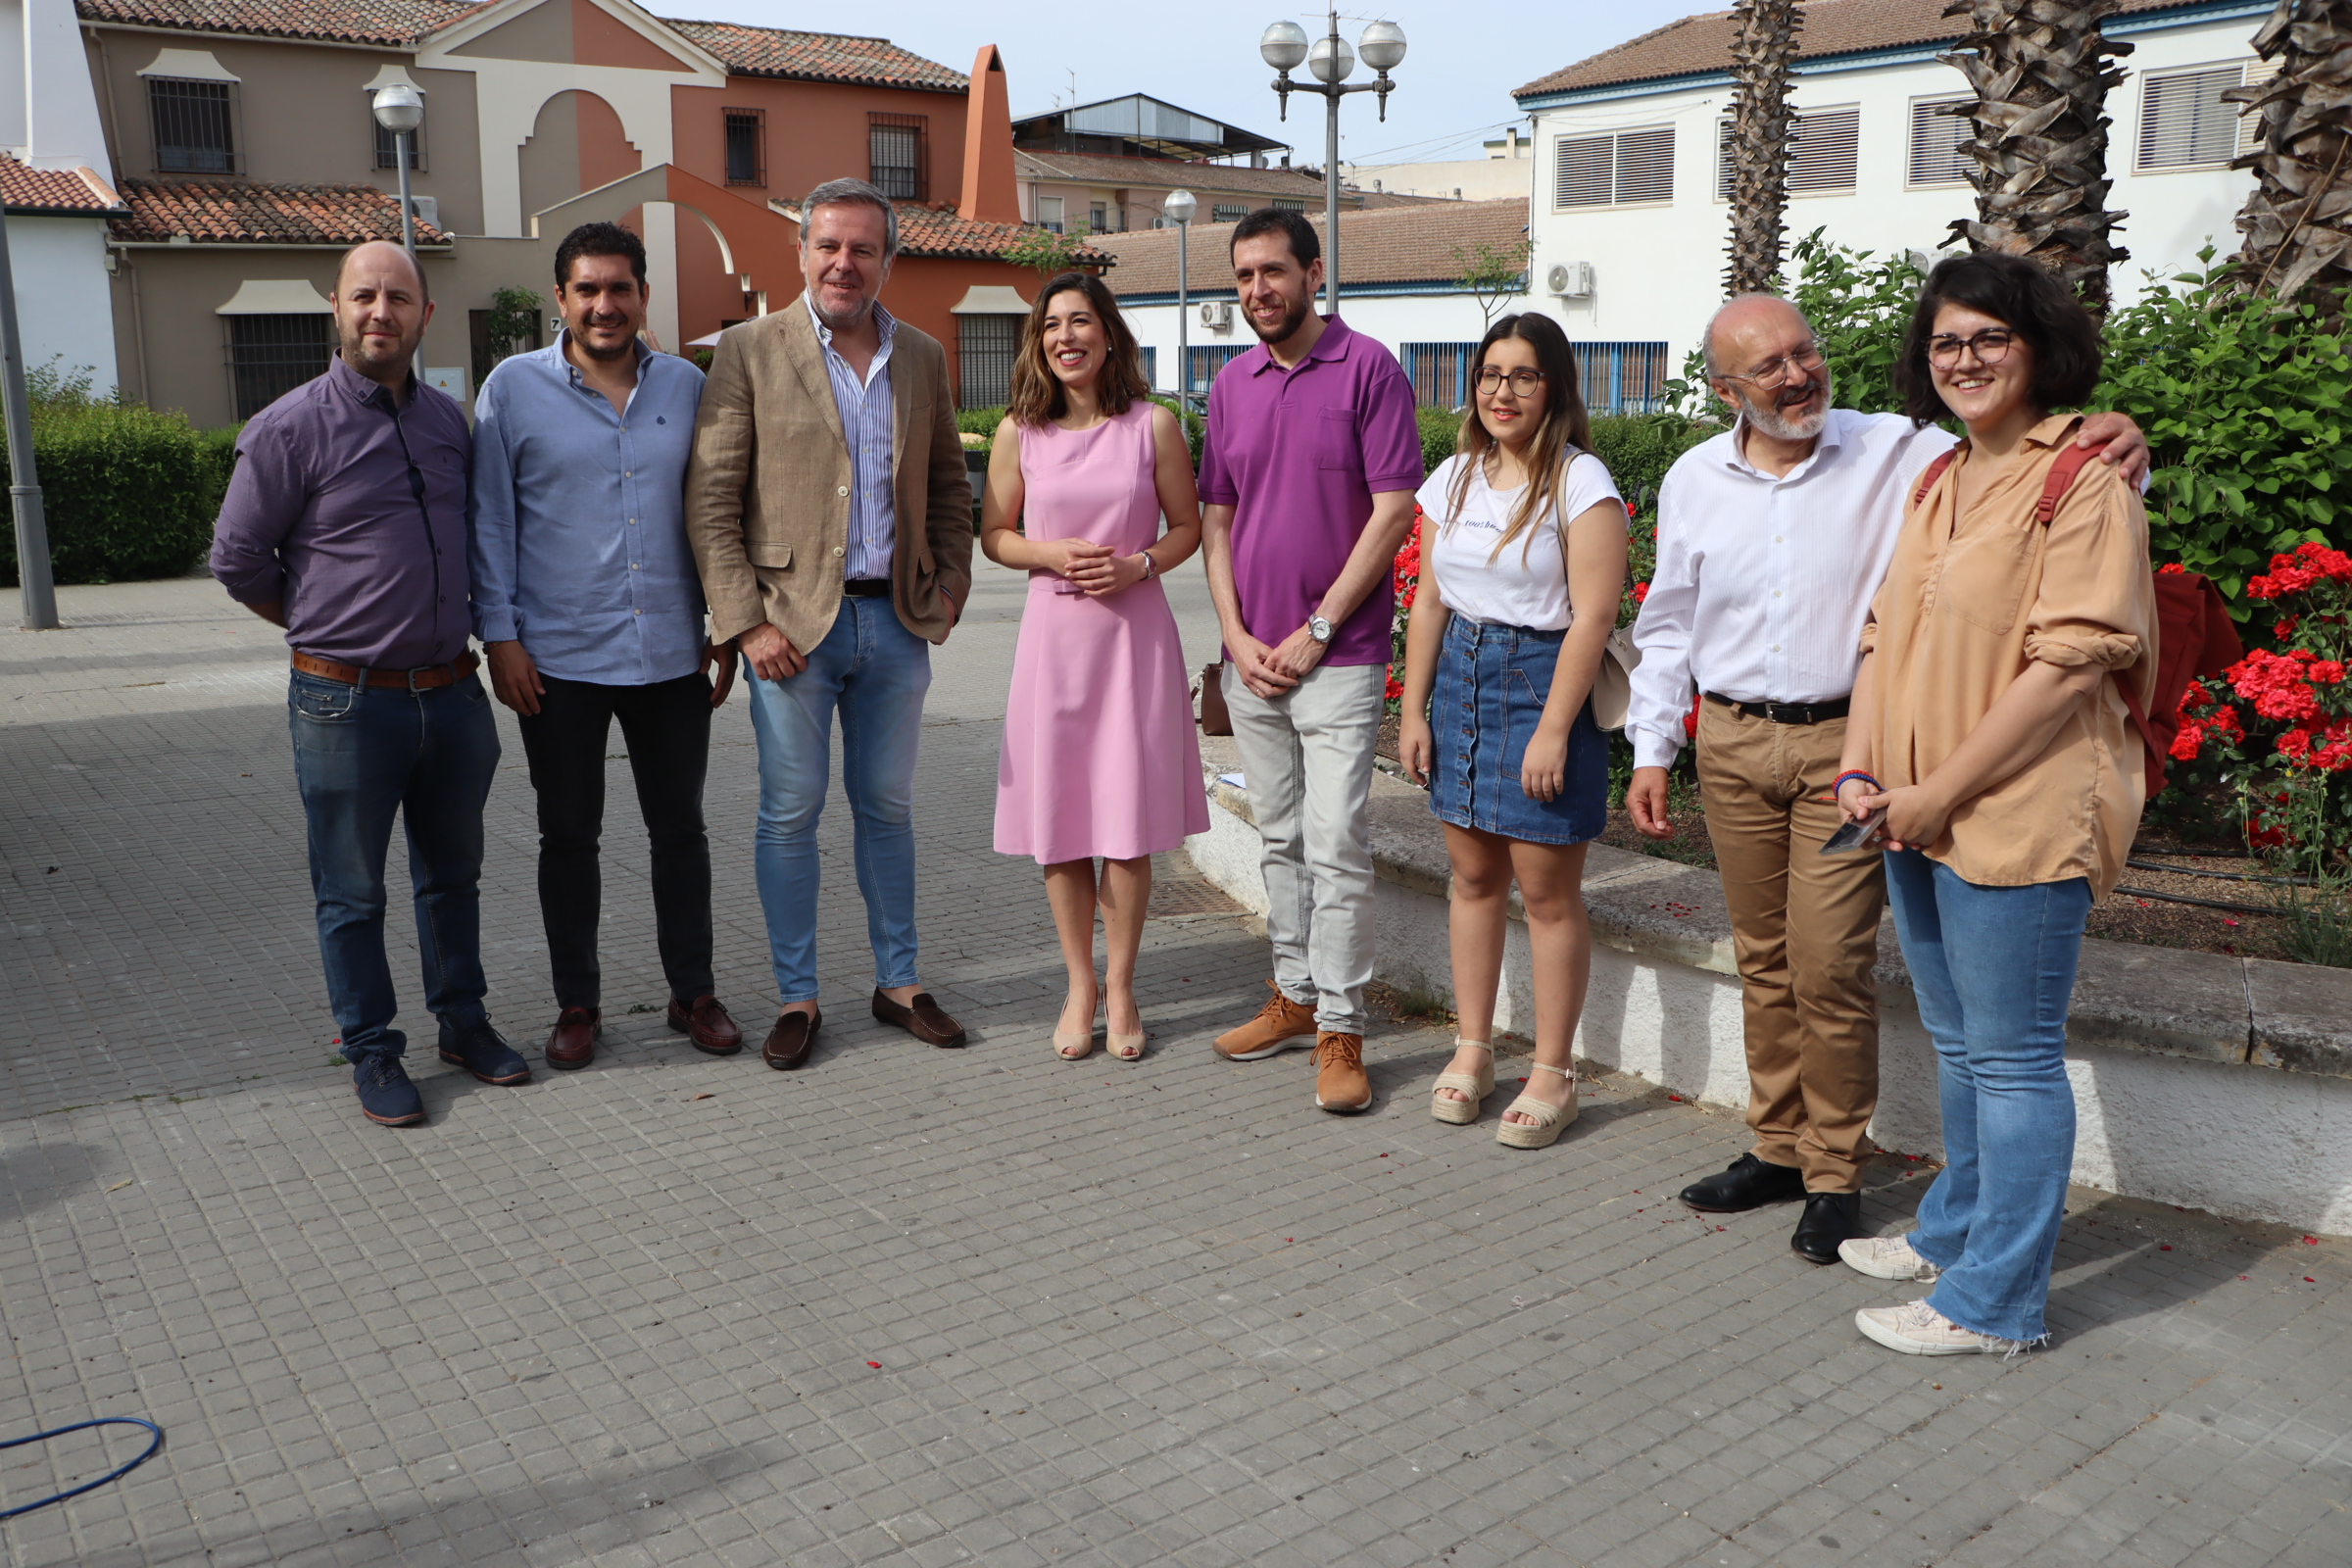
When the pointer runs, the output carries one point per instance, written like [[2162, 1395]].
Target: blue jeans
[[362, 755], [873, 671], [1993, 970]]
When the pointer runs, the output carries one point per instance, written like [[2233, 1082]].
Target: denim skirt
[[1492, 685]]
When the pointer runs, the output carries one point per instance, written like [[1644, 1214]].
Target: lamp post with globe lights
[[400, 109], [1179, 209], [1284, 47]]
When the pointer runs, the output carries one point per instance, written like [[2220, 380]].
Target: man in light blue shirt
[[587, 601]]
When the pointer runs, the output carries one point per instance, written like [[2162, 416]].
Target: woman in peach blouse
[[1989, 725]]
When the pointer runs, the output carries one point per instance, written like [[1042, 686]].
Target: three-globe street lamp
[[1284, 47], [1179, 209], [400, 109]]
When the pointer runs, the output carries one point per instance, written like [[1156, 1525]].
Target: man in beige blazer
[[831, 518]]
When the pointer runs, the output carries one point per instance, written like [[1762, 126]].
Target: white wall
[[64, 307], [1392, 319], [1658, 270]]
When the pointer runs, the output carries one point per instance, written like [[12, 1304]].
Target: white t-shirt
[[1526, 584]]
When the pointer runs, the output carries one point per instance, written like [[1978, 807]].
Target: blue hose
[[79, 1426]]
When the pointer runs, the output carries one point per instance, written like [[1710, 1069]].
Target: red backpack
[[2194, 634]]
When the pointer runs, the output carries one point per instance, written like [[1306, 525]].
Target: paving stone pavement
[[920, 1308]]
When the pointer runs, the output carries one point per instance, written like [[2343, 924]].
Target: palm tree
[[1763, 43], [2297, 222], [2041, 69]]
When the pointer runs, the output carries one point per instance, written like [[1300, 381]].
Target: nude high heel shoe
[[1478, 1085]]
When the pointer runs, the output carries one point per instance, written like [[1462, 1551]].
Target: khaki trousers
[[1806, 932]]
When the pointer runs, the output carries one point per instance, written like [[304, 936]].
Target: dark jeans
[[666, 728], [362, 755]]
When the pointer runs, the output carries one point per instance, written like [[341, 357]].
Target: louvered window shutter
[[1645, 164], [1935, 139], [1826, 149], [1583, 174], [2182, 121], [2249, 127]]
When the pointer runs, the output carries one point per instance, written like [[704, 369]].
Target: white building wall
[[1658, 268], [1392, 319], [64, 307]]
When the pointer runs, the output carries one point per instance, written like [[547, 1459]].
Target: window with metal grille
[[747, 146], [194, 126], [1621, 377], [1205, 360], [1439, 372], [1097, 216], [1935, 139], [1822, 153], [270, 356], [1628, 168], [387, 145], [1228, 213], [984, 346], [899, 146], [2183, 123]]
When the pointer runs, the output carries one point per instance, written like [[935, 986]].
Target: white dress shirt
[[1763, 582], [869, 424]]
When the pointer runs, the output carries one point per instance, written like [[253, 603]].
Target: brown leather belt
[[1787, 713], [414, 681]]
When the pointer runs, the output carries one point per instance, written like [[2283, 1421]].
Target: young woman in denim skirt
[[1523, 564]]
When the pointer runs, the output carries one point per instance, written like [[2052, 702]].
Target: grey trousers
[[1307, 759]]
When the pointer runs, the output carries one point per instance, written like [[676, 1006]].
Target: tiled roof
[[1165, 173], [39, 192], [819, 56], [934, 231], [1387, 245], [398, 24], [1699, 44], [239, 213]]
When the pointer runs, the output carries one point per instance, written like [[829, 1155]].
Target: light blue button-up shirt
[[578, 535], [869, 423]]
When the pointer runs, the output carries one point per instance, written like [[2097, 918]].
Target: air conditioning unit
[[1570, 280], [1217, 314]]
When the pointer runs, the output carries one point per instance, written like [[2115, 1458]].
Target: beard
[[1292, 320], [841, 321], [367, 362], [1766, 416], [626, 347]]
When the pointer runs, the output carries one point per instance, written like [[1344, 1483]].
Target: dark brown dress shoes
[[706, 1023], [791, 1040], [922, 1018], [573, 1042]]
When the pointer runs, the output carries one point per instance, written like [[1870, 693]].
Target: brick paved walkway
[[921, 1307]]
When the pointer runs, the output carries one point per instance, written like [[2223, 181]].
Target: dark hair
[[2022, 295], [599, 239], [1305, 244], [1038, 395], [1566, 431]]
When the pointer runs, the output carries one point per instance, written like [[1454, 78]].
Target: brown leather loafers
[[573, 1042], [706, 1023], [791, 1040], [922, 1018]]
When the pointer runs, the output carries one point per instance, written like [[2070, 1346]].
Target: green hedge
[[128, 492]]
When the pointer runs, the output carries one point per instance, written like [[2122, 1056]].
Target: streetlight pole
[[1179, 209], [1284, 46], [400, 109], [36, 586]]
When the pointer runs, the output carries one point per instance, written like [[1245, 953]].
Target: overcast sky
[[1453, 91]]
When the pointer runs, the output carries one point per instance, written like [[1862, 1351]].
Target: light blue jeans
[[873, 673], [1993, 970]]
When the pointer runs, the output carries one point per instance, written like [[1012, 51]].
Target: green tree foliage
[[1860, 306], [1493, 274], [1047, 253]]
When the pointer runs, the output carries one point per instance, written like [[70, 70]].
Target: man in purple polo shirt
[[1308, 481], [345, 523]]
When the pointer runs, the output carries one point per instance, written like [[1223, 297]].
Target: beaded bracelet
[[1846, 777]]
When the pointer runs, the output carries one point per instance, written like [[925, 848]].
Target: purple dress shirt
[[1298, 455], [350, 510]]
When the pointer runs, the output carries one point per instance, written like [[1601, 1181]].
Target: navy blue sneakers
[[387, 1096], [483, 1051]]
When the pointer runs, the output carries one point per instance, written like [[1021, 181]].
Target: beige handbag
[[1612, 696]]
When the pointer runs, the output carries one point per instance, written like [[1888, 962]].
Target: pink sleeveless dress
[[1099, 754]]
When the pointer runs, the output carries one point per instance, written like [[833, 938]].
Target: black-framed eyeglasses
[[1773, 374], [1523, 380], [1990, 347]]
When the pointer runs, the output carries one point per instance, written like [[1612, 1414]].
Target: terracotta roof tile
[[1166, 174], [1699, 44], [933, 232], [819, 56], [1387, 245], [39, 192], [240, 213], [395, 22]]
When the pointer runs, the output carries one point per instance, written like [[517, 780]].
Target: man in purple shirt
[[345, 523], [1307, 480]]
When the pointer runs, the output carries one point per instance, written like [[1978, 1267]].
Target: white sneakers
[[1886, 1257], [1916, 1329]]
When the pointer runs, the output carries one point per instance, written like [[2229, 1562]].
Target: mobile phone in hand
[[1859, 835]]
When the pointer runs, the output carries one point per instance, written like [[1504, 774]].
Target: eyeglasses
[[1524, 381], [1773, 374], [1990, 347]]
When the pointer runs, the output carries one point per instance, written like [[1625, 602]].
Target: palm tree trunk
[[2041, 69], [2297, 222], [1763, 43]]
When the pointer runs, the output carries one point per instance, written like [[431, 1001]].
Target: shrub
[[1441, 433], [980, 422]]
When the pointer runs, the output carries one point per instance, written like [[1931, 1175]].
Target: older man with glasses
[[1772, 538]]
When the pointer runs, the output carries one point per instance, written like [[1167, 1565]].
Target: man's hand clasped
[[771, 653]]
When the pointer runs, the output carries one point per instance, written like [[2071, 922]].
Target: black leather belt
[[866, 588], [1787, 713]]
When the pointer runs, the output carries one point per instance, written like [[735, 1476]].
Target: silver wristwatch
[[1318, 628], [1151, 567]]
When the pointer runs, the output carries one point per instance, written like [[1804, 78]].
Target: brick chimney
[[991, 194]]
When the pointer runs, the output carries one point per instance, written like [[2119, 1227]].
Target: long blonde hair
[[1566, 431]]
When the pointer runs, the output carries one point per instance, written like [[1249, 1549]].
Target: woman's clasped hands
[[1093, 570], [1916, 814]]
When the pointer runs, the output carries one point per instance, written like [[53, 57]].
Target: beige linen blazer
[[767, 487]]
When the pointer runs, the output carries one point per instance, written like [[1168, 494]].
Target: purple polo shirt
[[322, 514], [1298, 455]]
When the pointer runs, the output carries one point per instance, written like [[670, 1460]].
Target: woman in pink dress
[[1099, 756]]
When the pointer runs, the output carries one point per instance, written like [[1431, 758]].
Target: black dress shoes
[[1750, 1183], [1830, 1218]]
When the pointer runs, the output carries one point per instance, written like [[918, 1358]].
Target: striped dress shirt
[[870, 426]]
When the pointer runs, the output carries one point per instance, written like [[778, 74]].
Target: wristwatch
[[1318, 628], [1151, 567]]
